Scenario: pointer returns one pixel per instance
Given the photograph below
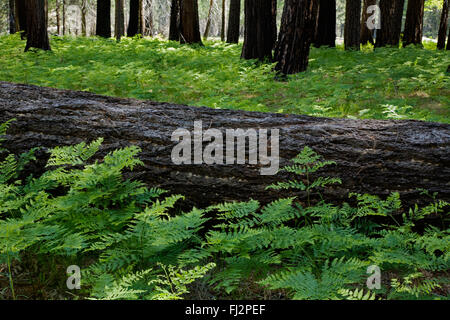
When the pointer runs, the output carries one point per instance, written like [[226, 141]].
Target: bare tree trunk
[[296, 35], [21, 17], [119, 29], [222, 30], [189, 22], [391, 23], [443, 26], [448, 42], [64, 17], [414, 23], [12, 19], [366, 33], [58, 18], [37, 36], [234, 21], [103, 28], [208, 21], [326, 25], [372, 156], [135, 23], [258, 37], [174, 31], [352, 31]]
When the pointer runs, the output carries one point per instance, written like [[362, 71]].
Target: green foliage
[[407, 83]]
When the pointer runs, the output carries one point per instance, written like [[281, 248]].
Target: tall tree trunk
[[414, 23], [296, 35], [366, 33], [189, 22], [83, 18], [443, 26], [352, 31], [21, 17], [174, 29], [58, 18], [12, 17], [64, 17], [103, 27], [135, 25], [119, 27], [448, 41], [148, 18], [258, 37], [274, 23], [222, 30], [234, 20], [37, 36], [208, 21], [391, 23], [326, 24]]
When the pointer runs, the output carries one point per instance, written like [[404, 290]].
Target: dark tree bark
[[391, 23], [326, 24], [234, 20], [174, 29], [448, 42], [103, 27], [372, 156], [296, 35], [12, 19], [258, 36], [189, 22], [414, 23], [83, 17], [222, 27], [274, 23], [366, 33], [352, 30], [119, 29], [443, 26], [21, 17], [37, 36], [64, 17], [135, 25], [208, 21]]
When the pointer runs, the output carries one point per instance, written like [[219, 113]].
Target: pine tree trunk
[[274, 23], [58, 19], [21, 17], [103, 27], [12, 19], [326, 24], [64, 17], [448, 41], [37, 36], [296, 35], [258, 36], [189, 22], [174, 29], [391, 23], [234, 20], [443, 26], [222, 29], [414, 23], [366, 33], [83, 18], [119, 29], [372, 156], [352, 31], [134, 26], [208, 21]]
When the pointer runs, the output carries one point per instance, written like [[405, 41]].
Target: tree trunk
[[352, 31], [189, 22], [391, 23], [174, 31], [274, 23], [58, 19], [21, 17], [37, 36], [326, 24], [12, 19], [414, 23], [103, 27], [135, 25], [83, 18], [448, 42], [234, 20], [296, 35], [222, 30], [208, 21], [443, 26], [366, 33], [119, 29], [372, 156], [64, 17], [258, 36]]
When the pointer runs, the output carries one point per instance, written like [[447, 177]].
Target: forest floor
[[406, 83]]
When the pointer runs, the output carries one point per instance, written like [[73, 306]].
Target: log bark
[[372, 156]]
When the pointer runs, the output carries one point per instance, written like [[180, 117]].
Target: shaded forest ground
[[406, 83]]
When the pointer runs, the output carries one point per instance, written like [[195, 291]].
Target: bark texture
[[443, 26], [296, 34], [234, 20], [414, 23], [135, 25], [119, 29], [352, 30], [391, 23], [258, 36], [37, 36], [174, 29], [372, 156], [366, 33], [103, 26], [20, 17], [189, 22], [12, 18], [326, 24]]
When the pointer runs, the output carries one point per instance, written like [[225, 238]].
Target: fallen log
[[372, 156]]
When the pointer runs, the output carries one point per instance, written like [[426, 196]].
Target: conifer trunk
[[103, 27], [366, 33], [443, 26], [234, 20], [326, 24], [414, 23], [352, 30], [37, 36], [391, 23], [189, 22], [174, 29], [119, 29], [12, 19]]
